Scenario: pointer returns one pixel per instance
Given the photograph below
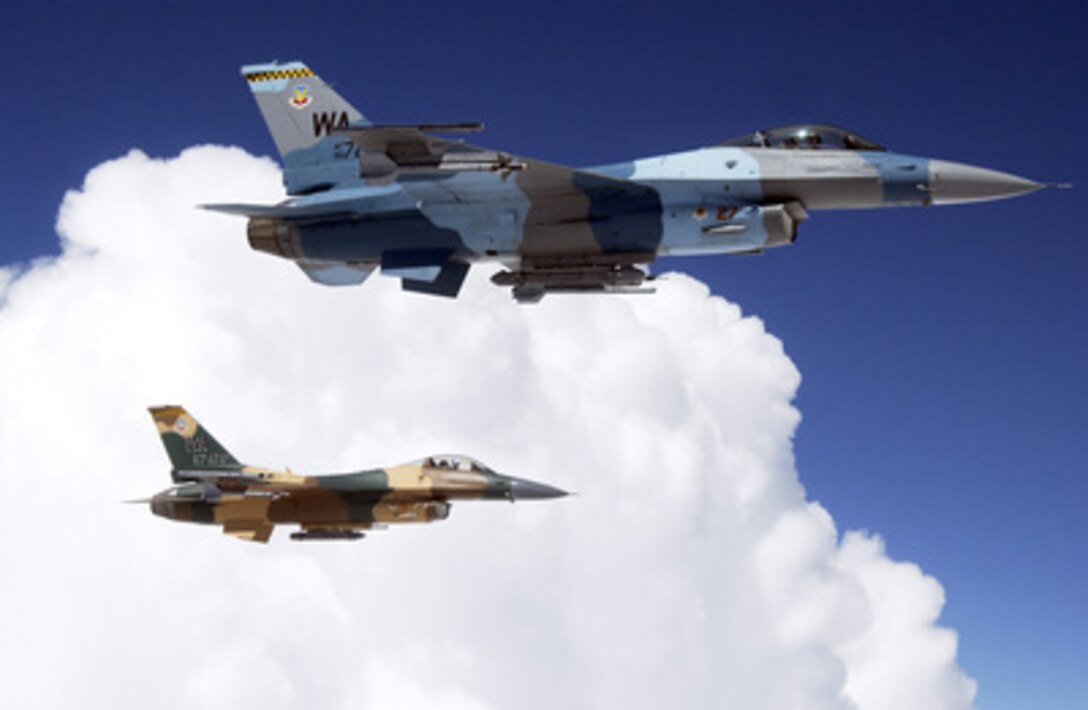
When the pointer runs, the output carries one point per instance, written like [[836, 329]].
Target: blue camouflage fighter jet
[[423, 207]]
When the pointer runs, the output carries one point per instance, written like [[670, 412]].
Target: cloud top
[[690, 571]]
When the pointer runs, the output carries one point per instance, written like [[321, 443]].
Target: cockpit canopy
[[809, 136], [454, 462]]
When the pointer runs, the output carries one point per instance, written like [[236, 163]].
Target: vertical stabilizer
[[301, 111], [190, 446]]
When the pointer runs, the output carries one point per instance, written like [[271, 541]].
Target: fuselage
[[423, 207], [417, 492], [714, 200]]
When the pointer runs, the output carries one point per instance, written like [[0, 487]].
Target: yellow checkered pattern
[[278, 74]]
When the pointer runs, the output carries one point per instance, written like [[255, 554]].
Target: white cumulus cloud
[[689, 571]]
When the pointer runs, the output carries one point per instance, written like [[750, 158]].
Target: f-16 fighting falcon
[[423, 208], [249, 501]]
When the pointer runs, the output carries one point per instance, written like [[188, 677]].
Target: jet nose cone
[[951, 183], [531, 490], [161, 505]]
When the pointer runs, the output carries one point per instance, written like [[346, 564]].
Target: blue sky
[[942, 350]]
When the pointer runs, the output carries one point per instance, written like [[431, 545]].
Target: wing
[[585, 232]]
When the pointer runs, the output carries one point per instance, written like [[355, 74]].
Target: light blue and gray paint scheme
[[424, 208]]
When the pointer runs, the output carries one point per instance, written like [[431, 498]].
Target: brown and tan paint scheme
[[249, 501]]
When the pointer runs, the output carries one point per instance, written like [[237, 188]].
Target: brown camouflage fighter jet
[[249, 501]]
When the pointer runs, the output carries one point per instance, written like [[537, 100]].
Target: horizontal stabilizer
[[244, 210], [323, 206], [288, 211]]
